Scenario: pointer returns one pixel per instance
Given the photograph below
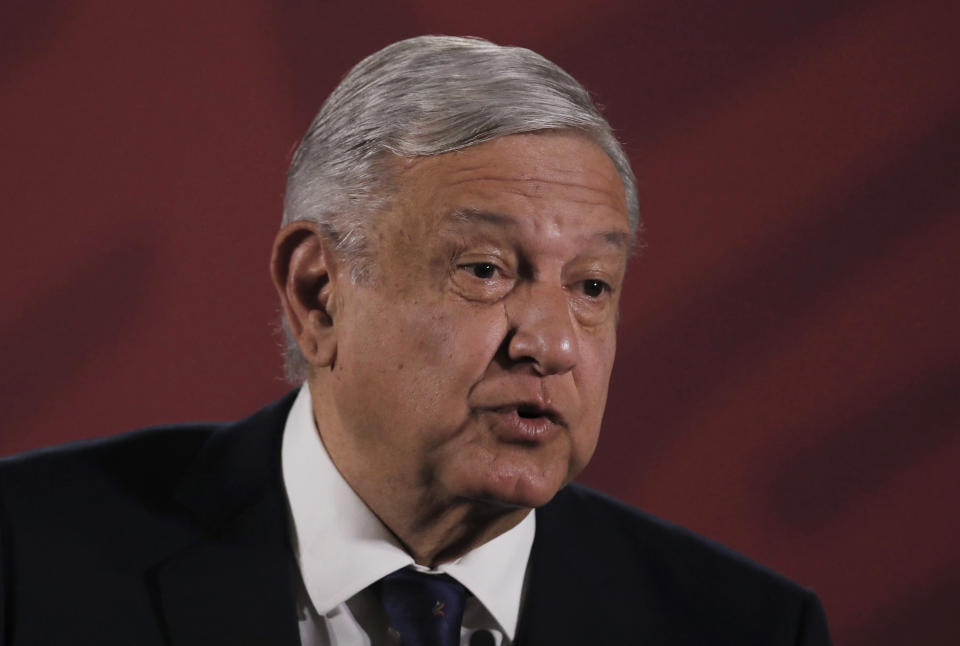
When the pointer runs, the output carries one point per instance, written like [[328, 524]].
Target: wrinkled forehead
[[507, 179]]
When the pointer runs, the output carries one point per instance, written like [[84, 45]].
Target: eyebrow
[[619, 239]]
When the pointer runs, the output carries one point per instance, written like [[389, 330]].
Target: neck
[[450, 531], [433, 528]]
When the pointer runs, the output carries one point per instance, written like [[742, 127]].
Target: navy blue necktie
[[426, 609]]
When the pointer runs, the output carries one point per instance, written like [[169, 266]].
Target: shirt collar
[[342, 547], [495, 571]]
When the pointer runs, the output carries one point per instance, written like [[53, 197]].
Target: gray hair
[[425, 96]]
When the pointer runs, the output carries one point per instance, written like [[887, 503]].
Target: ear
[[304, 271]]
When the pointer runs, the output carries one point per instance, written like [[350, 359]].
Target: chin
[[507, 476], [515, 488]]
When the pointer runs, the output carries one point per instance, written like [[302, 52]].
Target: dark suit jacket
[[179, 535]]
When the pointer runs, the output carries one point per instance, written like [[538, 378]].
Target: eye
[[481, 270], [595, 288], [483, 281]]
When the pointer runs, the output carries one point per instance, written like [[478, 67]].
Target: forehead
[[552, 183]]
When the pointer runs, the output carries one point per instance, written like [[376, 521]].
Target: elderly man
[[457, 225]]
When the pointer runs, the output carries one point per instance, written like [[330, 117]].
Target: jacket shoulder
[[631, 533], [148, 462], [140, 476], [672, 582], [88, 529]]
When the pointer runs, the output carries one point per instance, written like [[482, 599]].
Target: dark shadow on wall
[[649, 63], [659, 61], [28, 27], [49, 344], [861, 450], [319, 42], [928, 616], [687, 356]]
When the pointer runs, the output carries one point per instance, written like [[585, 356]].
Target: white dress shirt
[[342, 548]]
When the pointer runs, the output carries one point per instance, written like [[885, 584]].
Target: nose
[[542, 330]]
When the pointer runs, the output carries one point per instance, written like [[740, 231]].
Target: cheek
[[594, 380], [426, 357], [597, 358], [445, 340]]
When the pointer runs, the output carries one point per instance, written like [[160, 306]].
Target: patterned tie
[[426, 609]]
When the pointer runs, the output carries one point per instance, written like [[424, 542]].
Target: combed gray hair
[[425, 96]]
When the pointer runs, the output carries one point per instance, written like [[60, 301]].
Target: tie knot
[[426, 609]]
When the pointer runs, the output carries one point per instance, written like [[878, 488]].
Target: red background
[[788, 380]]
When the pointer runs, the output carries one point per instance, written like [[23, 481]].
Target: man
[[457, 225]]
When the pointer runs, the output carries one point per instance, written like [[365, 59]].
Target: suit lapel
[[235, 582]]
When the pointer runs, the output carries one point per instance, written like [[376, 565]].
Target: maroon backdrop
[[788, 379]]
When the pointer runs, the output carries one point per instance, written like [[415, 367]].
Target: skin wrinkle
[[590, 173], [491, 223], [538, 187], [504, 220], [620, 241]]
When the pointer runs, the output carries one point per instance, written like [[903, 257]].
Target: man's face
[[475, 364]]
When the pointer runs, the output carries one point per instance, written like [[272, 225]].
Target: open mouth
[[530, 412], [527, 423]]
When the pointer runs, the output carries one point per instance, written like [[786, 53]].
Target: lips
[[524, 422]]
